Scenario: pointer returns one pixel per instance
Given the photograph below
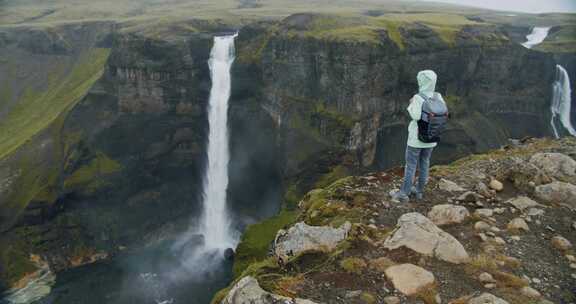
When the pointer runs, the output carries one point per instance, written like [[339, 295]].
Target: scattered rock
[[530, 292], [449, 186], [571, 258], [418, 233], [483, 190], [302, 237], [247, 290], [468, 197], [353, 294], [496, 185], [484, 212], [557, 192], [486, 278], [490, 286], [392, 300], [409, 279], [481, 226], [535, 212], [558, 165], [499, 240], [518, 224], [561, 243], [448, 214], [522, 202], [487, 298]]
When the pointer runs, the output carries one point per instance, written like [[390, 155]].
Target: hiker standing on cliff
[[429, 116]]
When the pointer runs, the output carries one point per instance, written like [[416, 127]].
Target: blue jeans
[[416, 158]]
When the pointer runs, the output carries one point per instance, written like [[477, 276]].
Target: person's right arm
[[415, 108]]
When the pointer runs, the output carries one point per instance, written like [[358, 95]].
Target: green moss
[[368, 298], [88, 178], [353, 265], [562, 40], [36, 110], [14, 262], [335, 174], [257, 239], [393, 30]]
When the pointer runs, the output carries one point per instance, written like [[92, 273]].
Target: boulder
[[557, 192], [561, 243], [449, 186], [409, 279], [530, 292], [557, 165], [518, 224], [481, 226], [247, 290], [448, 214], [496, 185], [301, 237], [416, 232], [483, 190], [484, 212], [522, 202], [487, 298]]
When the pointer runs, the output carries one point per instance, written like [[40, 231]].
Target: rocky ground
[[493, 228]]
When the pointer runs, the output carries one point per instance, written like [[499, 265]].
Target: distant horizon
[[519, 6]]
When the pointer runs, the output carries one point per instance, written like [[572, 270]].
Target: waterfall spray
[[561, 102]]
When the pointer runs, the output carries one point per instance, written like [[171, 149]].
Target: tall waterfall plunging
[[215, 222], [561, 102], [536, 37]]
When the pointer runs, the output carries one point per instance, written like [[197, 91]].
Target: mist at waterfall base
[[189, 268]]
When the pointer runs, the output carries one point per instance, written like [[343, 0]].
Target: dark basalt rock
[[229, 254]]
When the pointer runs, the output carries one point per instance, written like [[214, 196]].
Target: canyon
[[104, 125]]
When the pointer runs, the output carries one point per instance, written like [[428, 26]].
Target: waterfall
[[215, 222], [536, 37], [561, 102]]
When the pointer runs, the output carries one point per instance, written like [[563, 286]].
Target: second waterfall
[[215, 223]]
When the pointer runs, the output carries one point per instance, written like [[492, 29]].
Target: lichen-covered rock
[[561, 243], [487, 298], [557, 165], [522, 202], [409, 279], [557, 192], [418, 233], [448, 214], [449, 186], [518, 224], [301, 237], [248, 291]]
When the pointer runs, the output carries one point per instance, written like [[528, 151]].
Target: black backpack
[[434, 119]]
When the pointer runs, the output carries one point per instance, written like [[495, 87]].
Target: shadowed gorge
[[105, 130]]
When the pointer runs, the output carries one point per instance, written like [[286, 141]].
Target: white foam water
[[215, 221], [561, 106], [536, 37]]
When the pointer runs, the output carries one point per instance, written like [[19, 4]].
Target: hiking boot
[[419, 196], [398, 197]]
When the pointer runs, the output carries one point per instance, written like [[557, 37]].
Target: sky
[[527, 6]]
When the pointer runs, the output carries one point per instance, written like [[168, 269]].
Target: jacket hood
[[427, 82]]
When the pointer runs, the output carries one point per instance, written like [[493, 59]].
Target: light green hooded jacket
[[427, 85]]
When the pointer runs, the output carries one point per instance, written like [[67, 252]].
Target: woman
[[418, 153]]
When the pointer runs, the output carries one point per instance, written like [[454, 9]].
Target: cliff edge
[[492, 228]]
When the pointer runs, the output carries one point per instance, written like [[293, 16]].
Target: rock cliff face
[[351, 95]]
